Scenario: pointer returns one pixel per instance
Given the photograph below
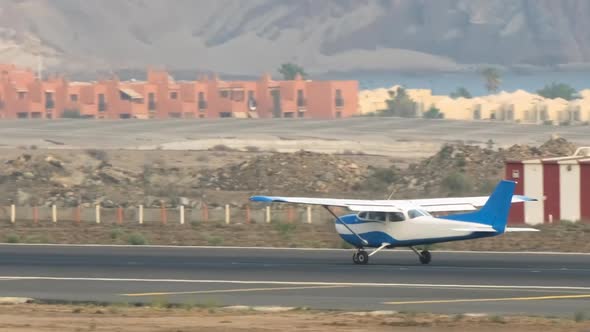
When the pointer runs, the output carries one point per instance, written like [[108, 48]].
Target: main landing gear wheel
[[360, 257], [425, 257]]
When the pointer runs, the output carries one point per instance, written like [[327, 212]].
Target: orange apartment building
[[23, 96]]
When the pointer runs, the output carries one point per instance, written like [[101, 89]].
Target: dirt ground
[[566, 237], [52, 318]]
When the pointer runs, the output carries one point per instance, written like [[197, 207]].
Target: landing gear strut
[[360, 257], [424, 256]]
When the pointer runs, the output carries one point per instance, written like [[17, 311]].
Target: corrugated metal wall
[[562, 186]]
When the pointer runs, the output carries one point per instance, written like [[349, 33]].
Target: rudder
[[495, 211]]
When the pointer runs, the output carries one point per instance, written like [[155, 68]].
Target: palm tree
[[291, 70], [492, 79]]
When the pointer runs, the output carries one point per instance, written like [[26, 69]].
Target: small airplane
[[387, 224]]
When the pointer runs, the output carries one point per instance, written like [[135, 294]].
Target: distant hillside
[[251, 36]]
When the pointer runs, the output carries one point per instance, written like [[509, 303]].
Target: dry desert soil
[[54, 318]]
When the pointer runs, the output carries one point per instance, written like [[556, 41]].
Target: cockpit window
[[378, 216], [416, 213], [363, 215], [396, 216]]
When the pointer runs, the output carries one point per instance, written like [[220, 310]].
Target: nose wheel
[[424, 256], [360, 257]]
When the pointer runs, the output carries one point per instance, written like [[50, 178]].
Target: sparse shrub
[[117, 233], [12, 238], [99, 155], [379, 179], [215, 241], [497, 319], [160, 303], [285, 229], [579, 317], [136, 239], [433, 113], [460, 161], [33, 147], [38, 239], [457, 184], [221, 147], [251, 148], [203, 158]]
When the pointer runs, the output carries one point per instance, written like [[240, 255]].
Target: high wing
[[429, 204]]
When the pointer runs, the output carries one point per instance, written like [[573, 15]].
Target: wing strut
[[365, 242]]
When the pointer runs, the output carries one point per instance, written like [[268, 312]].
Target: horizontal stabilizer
[[521, 229]]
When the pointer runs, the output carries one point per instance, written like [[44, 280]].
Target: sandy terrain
[[49, 318]]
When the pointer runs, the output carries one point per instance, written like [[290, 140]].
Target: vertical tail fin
[[495, 211]]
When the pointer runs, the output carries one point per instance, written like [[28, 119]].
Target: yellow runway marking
[[239, 290], [533, 298]]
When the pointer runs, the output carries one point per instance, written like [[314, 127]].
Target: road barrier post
[[140, 213], [205, 212], [54, 213], [35, 215], [268, 214], [182, 214], [163, 215], [309, 221], [97, 214], [78, 214], [119, 215], [12, 214], [227, 214], [248, 214]]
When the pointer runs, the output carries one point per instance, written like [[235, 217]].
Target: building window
[[151, 101], [22, 95], [339, 100], [224, 94], [202, 102], [301, 102], [252, 103], [102, 105], [49, 102], [174, 95], [74, 98]]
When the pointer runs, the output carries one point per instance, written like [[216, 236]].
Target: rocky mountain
[[251, 36]]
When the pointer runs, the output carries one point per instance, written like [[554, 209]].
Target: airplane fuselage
[[411, 232]]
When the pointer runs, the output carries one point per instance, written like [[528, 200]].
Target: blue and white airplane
[[385, 224]]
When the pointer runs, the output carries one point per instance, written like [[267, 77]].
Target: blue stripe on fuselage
[[376, 238]]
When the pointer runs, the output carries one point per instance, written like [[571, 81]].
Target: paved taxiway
[[544, 284]]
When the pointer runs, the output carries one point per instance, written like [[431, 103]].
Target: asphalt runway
[[455, 282]]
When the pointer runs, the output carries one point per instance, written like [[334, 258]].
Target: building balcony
[[49, 104], [339, 102], [203, 105]]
